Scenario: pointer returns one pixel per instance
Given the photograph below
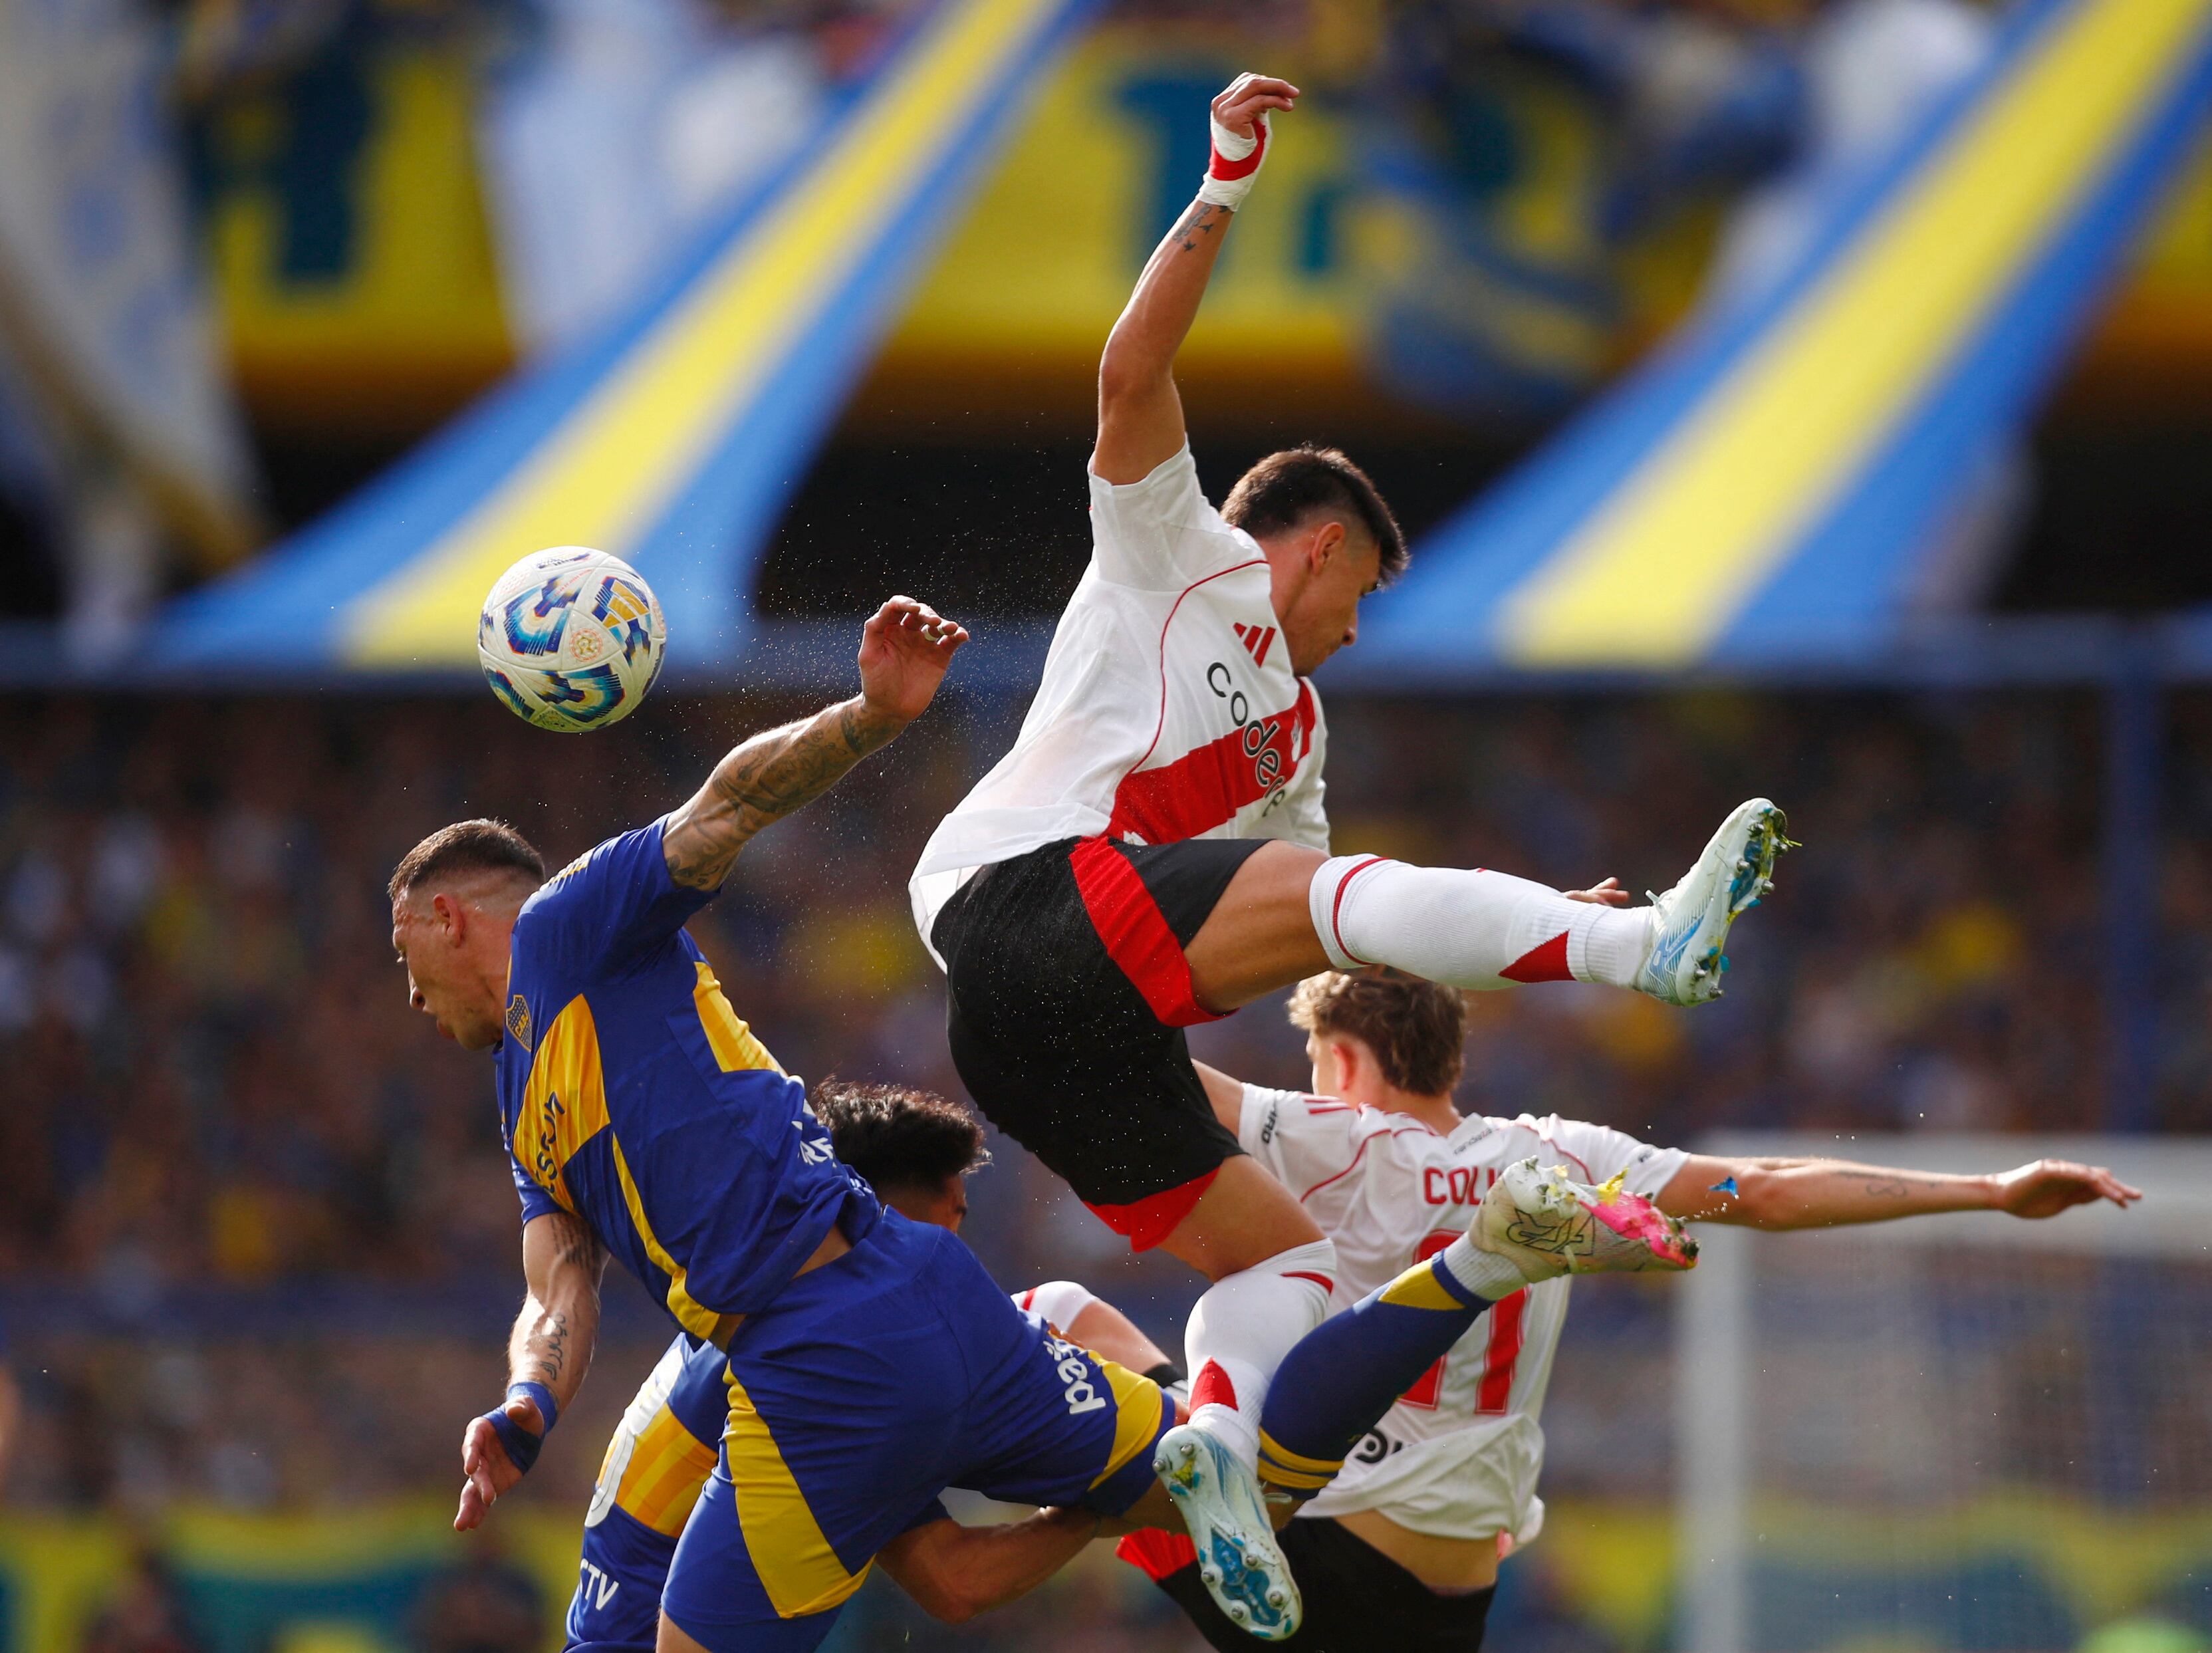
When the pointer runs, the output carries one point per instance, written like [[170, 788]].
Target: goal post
[[1965, 1432]]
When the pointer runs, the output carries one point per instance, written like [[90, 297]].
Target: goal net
[[1962, 1432]]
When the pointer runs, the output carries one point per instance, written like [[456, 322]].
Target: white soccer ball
[[571, 639]]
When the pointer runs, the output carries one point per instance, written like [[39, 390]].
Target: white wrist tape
[[1059, 1301], [1236, 161]]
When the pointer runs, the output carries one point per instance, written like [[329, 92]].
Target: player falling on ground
[[1399, 1551], [1153, 852], [866, 1361]]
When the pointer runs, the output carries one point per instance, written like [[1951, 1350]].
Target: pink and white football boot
[[1547, 1224]]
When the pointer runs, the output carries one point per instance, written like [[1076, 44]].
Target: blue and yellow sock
[[1338, 1380]]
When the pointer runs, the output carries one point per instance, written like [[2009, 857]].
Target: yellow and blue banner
[[672, 439], [362, 1579], [1763, 491]]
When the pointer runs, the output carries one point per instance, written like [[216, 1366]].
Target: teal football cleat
[[1690, 923], [1238, 1560]]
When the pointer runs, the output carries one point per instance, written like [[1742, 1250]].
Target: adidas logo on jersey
[[1257, 641]]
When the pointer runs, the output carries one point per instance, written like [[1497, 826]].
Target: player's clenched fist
[[905, 652], [1240, 136]]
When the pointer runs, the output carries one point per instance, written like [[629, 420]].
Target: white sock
[[1241, 1330], [1483, 1272], [1470, 929]]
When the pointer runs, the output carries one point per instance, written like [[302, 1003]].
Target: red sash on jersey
[[1206, 786]]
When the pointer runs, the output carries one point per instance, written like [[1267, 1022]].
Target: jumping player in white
[[1153, 852]]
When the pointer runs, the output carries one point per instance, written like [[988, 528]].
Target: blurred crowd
[[219, 1098], [215, 1074]]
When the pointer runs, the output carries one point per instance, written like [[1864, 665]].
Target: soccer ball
[[571, 639]]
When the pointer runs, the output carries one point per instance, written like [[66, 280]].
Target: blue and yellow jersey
[[631, 1096]]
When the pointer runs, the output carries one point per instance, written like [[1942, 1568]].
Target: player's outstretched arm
[[905, 652], [1784, 1194], [550, 1349], [954, 1572], [1139, 413]]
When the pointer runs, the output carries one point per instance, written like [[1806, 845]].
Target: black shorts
[[1069, 997], [1357, 1599]]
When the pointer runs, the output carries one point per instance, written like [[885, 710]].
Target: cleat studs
[[1279, 1597], [1209, 1576], [1239, 1613]]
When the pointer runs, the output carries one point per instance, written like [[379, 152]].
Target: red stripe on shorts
[[1136, 931], [1144, 1222]]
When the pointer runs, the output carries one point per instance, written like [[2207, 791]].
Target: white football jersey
[[1168, 708], [1458, 1454]]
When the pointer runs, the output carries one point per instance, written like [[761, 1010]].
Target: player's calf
[[1483, 930], [1239, 1331]]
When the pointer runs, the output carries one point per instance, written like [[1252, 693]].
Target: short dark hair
[[899, 1136], [1284, 488], [1416, 1028], [466, 846]]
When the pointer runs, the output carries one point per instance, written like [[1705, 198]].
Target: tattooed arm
[[904, 651], [551, 1344], [1778, 1194], [562, 1263], [1139, 413]]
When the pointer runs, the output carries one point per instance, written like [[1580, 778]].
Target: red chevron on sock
[[1212, 1389], [1547, 963]]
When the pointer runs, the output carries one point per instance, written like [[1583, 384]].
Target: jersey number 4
[[1499, 1359]]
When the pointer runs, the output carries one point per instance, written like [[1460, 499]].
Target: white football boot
[[1547, 1224], [1238, 1560], [1690, 923]]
